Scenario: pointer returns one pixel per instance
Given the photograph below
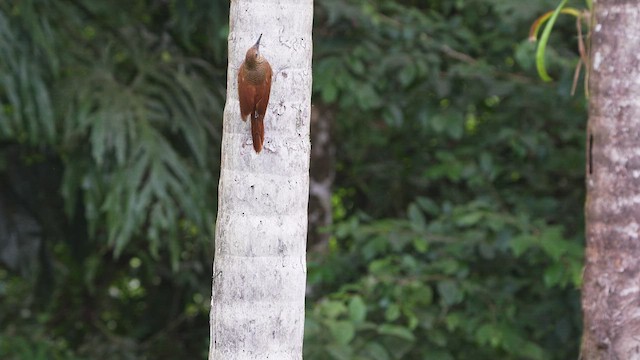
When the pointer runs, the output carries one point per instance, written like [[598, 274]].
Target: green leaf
[[448, 266], [332, 309], [525, 54], [521, 243], [453, 321], [424, 294], [544, 39], [421, 245], [469, 219], [553, 243], [416, 218], [439, 122], [339, 352], [367, 97], [489, 334], [312, 327], [357, 309], [380, 267], [450, 293], [576, 272], [393, 116], [329, 93], [396, 331], [407, 74], [428, 205], [455, 126], [438, 337], [554, 274], [375, 351], [533, 351], [342, 331], [392, 313]]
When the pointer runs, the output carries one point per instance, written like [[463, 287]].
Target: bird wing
[[262, 93], [246, 94]]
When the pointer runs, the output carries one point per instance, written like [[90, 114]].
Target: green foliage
[[131, 121], [118, 114], [472, 282], [464, 174]]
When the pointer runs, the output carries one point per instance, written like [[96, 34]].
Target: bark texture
[[611, 289], [259, 271]]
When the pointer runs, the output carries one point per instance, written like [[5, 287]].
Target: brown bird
[[254, 88]]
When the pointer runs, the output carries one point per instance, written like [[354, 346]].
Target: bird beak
[[257, 45]]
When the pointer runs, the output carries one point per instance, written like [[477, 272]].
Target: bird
[[254, 88]]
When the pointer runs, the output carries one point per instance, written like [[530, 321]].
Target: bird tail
[[257, 131]]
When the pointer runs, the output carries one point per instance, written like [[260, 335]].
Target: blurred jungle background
[[453, 177]]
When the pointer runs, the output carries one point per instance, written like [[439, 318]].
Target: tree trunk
[[611, 289], [259, 266]]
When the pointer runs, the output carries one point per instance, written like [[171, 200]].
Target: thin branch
[[454, 54]]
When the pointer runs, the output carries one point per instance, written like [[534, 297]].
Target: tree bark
[[259, 269], [611, 288]]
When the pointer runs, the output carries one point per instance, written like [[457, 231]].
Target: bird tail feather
[[257, 131]]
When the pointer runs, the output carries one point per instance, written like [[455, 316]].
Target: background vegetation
[[458, 196]]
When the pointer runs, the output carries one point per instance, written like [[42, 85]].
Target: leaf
[[521, 243], [44, 109], [339, 352], [544, 39], [438, 337], [533, 351], [332, 309], [439, 123], [407, 74], [576, 272], [375, 351], [455, 126], [357, 310], [342, 331], [486, 163], [393, 116], [374, 247], [553, 275], [488, 334], [380, 267], [367, 97], [450, 293], [469, 219], [453, 321], [428, 205], [416, 218], [396, 331], [553, 243], [424, 295], [392, 313], [448, 266], [421, 245], [311, 327]]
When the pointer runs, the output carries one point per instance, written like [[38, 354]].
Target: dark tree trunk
[[611, 288]]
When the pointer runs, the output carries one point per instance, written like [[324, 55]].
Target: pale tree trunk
[[611, 289], [259, 265]]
